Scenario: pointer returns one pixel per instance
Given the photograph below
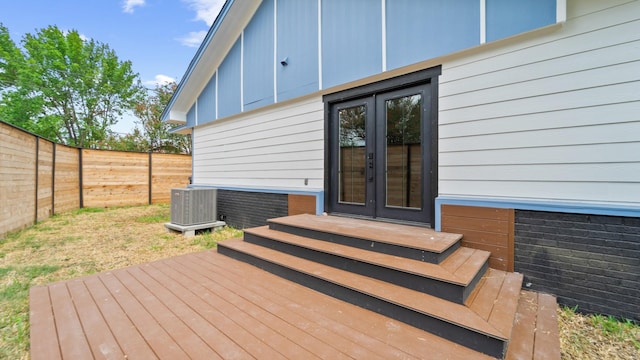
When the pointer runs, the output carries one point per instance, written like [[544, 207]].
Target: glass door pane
[[403, 152], [352, 155]]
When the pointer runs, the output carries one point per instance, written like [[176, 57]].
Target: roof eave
[[166, 113], [220, 38]]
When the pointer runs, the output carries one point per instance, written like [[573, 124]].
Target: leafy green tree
[[156, 134], [133, 141], [9, 53], [403, 120], [64, 87]]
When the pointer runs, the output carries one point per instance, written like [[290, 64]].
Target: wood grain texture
[[168, 171], [483, 228], [301, 204], [67, 179], [205, 305], [45, 179], [39, 178], [17, 179]]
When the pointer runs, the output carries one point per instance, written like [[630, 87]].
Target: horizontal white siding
[[276, 148], [551, 117]]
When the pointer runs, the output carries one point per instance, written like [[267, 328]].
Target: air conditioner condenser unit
[[193, 206]]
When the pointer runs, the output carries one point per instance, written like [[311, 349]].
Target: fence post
[[80, 165], [53, 179], [35, 221], [150, 177]]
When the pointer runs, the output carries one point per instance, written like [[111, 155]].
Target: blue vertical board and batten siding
[[297, 41], [351, 40], [229, 100], [207, 102], [258, 58], [191, 116], [416, 33], [509, 17]]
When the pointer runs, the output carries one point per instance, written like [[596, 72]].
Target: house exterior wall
[[258, 58], [383, 35], [552, 117], [456, 23], [207, 102], [546, 116], [544, 123], [297, 41], [274, 149], [229, 77], [548, 126]]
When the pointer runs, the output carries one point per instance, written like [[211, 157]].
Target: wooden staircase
[[412, 274]]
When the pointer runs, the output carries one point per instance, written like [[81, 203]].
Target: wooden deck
[[209, 306]]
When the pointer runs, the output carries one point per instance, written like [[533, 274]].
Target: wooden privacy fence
[[39, 178]]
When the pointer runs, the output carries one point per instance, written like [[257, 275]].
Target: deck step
[[535, 331], [452, 279], [487, 332], [411, 242]]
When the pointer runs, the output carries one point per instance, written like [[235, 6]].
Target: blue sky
[[158, 36]]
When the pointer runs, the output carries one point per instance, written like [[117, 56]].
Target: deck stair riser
[[428, 278], [368, 244], [490, 345]]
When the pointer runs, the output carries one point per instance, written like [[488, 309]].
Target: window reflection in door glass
[[403, 168], [352, 155]]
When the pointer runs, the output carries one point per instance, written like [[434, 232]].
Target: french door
[[380, 155]]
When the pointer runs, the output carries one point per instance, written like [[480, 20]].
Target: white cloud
[[128, 5], [206, 10], [193, 39], [160, 79]]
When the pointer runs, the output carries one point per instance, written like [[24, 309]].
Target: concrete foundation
[[190, 230]]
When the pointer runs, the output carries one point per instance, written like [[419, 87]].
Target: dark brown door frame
[[423, 77]]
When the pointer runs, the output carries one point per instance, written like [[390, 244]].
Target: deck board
[[213, 309], [70, 332], [397, 234], [506, 304], [483, 302], [159, 340], [521, 343], [206, 305], [42, 325], [379, 331], [257, 316], [123, 329], [352, 342], [188, 328], [101, 340], [546, 345]]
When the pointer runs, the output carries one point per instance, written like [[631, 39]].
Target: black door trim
[[427, 76]]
